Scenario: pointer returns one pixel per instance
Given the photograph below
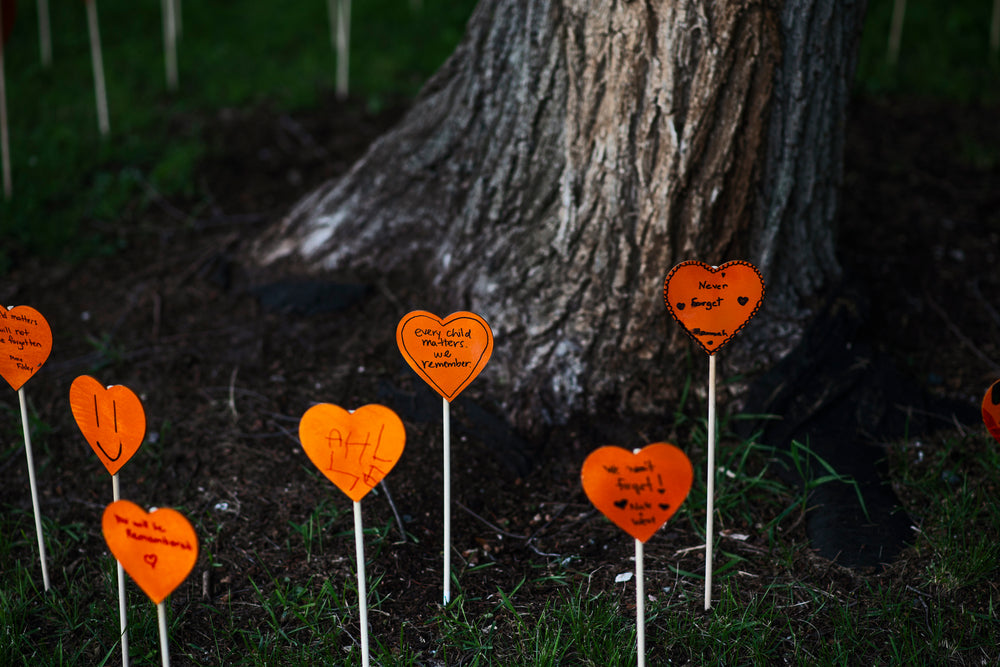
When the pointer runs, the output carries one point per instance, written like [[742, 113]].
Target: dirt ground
[[179, 317]]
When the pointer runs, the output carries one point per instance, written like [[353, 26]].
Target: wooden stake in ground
[[446, 500], [158, 550], [713, 304], [710, 484], [116, 495], [25, 344], [448, 354], [97, 62], [340, 39], [640, 602], [359, 552], [44, 33], [355, 450], [639, 491], [895, 31], [113, 422], [169, 10], [8, 11]]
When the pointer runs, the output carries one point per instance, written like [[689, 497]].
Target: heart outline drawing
[[713, 303], [447, 363]]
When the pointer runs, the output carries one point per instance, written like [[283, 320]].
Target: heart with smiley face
[[111, 419]]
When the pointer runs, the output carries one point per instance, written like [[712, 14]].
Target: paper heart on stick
[[112, 420], [25, 344], [713, 303], [158, 549], [355, 450], [637, 491], [991, 410], [447, 353]]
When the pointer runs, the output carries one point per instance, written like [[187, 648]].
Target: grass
[[773, 601], [944, 52], [71, 187]]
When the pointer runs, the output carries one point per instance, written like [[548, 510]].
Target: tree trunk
[[569, 153]]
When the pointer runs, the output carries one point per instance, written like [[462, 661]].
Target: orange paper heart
[[112, 420], [355, 450], [448, 354], [25, 343], [991, 410], [638, 492], [158, 549], [713, 303]]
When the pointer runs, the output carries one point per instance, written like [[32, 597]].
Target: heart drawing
[[158, 549], [991, 410], [111, 419], [713, 303], [638, 491], [25, 344], [355, 450], [447, 353]]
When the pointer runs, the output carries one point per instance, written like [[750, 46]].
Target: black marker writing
[[97, 417]]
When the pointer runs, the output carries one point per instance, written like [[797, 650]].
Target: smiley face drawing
[[111, 419]]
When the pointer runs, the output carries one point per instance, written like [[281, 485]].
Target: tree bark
[[569, 153]]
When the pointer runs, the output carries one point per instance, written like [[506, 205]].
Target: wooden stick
[[640, 606], [170, 42], [896, 31], [44, 33], [100, 92], [122, 609], [34, 489], [447, 499], [710, 481], [8, 188], [359, 546], [343, 45], [161, 615]]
